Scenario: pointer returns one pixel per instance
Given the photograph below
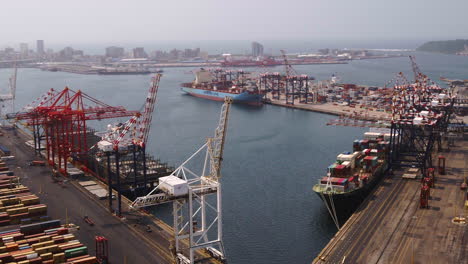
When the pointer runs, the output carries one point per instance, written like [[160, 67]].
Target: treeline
[[447, 46]]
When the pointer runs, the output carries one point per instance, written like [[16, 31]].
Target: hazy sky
[[118, 21]]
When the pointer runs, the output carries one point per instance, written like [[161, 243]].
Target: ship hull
[[346, 203], [243, 98]]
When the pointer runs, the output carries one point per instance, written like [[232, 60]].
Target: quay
[[136, 237], [390, 226], [333, 109]]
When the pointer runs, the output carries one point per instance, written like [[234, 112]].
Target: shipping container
[[75, 252], [5, 150]]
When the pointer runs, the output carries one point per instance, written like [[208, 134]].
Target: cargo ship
[[217, 84], [123, 71], [265, 62], [350, 179]]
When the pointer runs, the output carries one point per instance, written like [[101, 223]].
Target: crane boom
[[141, 121], [288, 68], [147, 116], [415, 67], [13, 83], [216, 144]]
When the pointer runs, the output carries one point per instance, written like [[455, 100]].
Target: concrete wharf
[[389, 227], [333, 109]]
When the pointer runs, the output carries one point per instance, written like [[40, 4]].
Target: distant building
[[78, 53], [66, 53], [191, 53], [257, 49], [24, 50], [324, 51], [115, 52], [175, 54], [40, 47], [139, 53]]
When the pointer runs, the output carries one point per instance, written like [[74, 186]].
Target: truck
[[37, 163]]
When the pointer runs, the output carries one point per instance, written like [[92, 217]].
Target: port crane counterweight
[[197, 217]]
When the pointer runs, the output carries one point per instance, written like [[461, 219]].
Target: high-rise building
[[115, 52], [257, 49], [24, 50], [40, 47], [66, 53], [191, 53], [139, 53]]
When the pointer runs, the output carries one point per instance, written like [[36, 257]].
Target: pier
[[390, 226], [333, 109]]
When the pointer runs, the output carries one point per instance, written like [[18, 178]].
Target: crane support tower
[[197, 217]]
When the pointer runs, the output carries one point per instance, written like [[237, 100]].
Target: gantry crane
[[7, 101], [194, 228], [420, 113], [289, 70], [295, 85], [118, 138], [62, 116]]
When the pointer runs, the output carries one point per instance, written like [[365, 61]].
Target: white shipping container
[[351, 158], [417, 120], [87, 183], [173, 185], [372, 135], [105, 146]]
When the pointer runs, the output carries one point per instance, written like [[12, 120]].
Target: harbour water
[[273, 155]]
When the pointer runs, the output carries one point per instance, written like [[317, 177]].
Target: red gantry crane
[[62, 117]]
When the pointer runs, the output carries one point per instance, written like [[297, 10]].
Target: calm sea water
[[273, 155]]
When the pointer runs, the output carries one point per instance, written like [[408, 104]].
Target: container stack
[[34, 238], [46, 242]]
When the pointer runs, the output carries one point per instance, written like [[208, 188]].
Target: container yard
[[29, 234]]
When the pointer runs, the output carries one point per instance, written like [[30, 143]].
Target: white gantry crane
[[7, 101], [197, 217]]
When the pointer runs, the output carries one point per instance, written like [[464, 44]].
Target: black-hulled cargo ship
[[350, 179]]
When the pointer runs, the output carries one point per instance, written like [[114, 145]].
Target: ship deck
[[389, 227]]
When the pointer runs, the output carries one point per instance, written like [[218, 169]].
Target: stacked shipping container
[[38, 240]]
